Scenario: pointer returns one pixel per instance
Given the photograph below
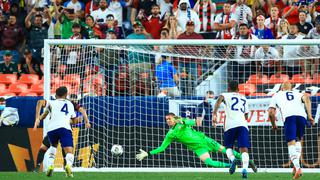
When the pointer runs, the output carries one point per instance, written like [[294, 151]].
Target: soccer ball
[[116, 150]]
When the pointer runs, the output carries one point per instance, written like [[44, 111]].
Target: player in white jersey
[[235, 125], [293, 106], [59, 129]]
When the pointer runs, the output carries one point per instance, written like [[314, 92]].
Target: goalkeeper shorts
[[210, 146]]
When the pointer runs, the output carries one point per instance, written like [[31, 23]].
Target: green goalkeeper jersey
[[185, 134]]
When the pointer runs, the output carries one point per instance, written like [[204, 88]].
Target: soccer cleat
[[36, 169], [244, 174], [298, 174], [67, 168], [50, 171], [253, 166], [233, 166]]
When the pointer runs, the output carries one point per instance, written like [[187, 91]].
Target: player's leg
[[204, 156], [217, 147], [64, 157], [42, 150], [229, 138], [301, 123], [290, 130], [244, 144], [54, 139], [66, 141]]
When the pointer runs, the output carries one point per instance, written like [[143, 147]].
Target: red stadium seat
[[247, 89], [28, 94], [18, 88], [8, 78], [73, 79], [278, 79], [3, 88], [29, 79], [8, 94], [256, 79], [37, 88], [300, 78]]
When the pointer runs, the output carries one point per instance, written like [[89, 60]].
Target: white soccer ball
[[117, 150]]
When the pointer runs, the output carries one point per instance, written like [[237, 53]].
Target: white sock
[[230, 154], [69, 159], [52, 155], [294, 156], [245, 160], [298, 149]]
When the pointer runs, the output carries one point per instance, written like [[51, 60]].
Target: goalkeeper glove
[[143, 154]]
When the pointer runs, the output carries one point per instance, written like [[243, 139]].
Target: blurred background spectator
[[29, 65], [172, 25], [206, 10], [167, 77], [37, 30], [261, 31], [8, 66], [205, 109], [12, 36], [185, 14]]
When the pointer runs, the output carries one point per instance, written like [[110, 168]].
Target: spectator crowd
[[25, 24]]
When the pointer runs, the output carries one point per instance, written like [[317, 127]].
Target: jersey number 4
[[65, 109], [234, 106]]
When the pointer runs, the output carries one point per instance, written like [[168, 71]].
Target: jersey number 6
[[290, 96]]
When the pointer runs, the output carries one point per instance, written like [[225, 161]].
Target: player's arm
[[40, 104], [272, 117], [215, 110], [307, 102], [272, 111], [166, 142], [85, 116]]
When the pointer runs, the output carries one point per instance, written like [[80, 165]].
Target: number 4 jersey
[[61, 111], [236, 106], [289, 103]]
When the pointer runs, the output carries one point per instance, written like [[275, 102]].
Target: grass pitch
[[153, 176]]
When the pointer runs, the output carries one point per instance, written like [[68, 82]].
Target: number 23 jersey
[[61, 111], [236, 106], [289, 103]]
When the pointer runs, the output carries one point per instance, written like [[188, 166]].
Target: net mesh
[[127, 90]]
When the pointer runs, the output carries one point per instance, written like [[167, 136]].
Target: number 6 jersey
[[289, 103], [236, 106], [61, 111]]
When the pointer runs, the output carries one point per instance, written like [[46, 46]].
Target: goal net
[[127, 88]]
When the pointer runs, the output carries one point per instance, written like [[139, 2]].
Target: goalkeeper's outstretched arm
[[143, 154]]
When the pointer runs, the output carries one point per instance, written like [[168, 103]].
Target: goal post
[[119, 83]]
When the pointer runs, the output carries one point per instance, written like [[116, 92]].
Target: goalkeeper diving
[[181, 131]]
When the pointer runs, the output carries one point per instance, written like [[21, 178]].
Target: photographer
[[67, 18], [37, 30], [291, 13]]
